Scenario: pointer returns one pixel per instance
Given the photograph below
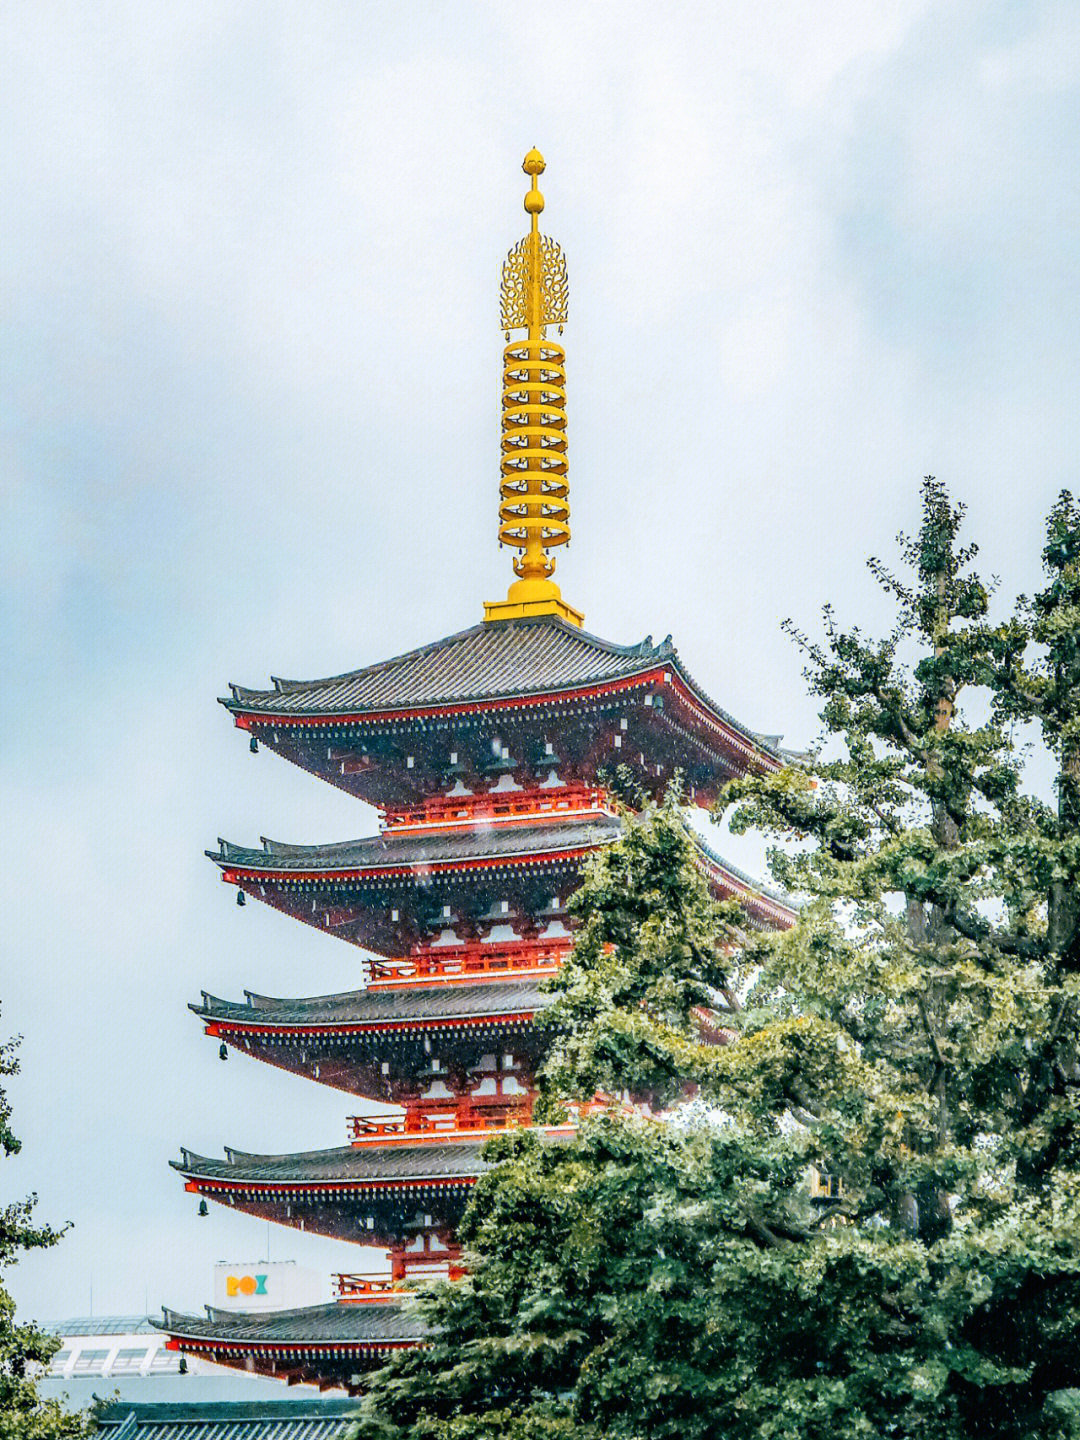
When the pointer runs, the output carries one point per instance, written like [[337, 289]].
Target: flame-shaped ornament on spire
[[534, 513]]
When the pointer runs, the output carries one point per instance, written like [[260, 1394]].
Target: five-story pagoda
[[486, 754]]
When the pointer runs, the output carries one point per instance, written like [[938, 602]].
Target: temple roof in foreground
[[502, 661], [406, 1005], [313, 1418], [392, 1161], [371, 1322], [393, 850]]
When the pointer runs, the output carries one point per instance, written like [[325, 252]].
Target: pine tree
[[867, 1223], [24, 1349]]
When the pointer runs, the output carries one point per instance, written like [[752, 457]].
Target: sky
[[250, 380]]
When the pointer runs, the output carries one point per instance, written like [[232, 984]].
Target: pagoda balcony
[[478, 958], [462, 1114], [408, 1267], [359, 1287], [369, 1127], [536, 801]]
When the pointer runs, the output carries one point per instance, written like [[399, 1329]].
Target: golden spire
[[534, 513]]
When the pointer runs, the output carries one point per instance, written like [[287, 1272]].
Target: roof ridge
[[390, 841], [281, 686], [285, 687], [427, 1140], [315, 1406], [495, 980]]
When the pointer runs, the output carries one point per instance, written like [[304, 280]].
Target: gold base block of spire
[[533, 595], [525, 609]]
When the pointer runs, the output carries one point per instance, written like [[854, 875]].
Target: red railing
[[475, 959], [369, 1127], [430, 1118], [502, 804], [361, 1286]]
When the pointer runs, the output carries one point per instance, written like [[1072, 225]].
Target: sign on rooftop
[[265, 1285]]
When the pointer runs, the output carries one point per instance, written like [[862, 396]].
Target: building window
[[90, 1362], [58, 1361], [165, 1362], [128, 1360]]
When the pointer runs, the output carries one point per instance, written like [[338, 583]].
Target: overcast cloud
[[250, 380]]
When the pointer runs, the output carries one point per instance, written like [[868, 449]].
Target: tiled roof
[[392, 850], [358, 1165], [311, 1419], [488, 661], [372, 1322], [363, 1007]]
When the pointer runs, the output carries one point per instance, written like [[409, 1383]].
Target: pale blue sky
[[250, 384]]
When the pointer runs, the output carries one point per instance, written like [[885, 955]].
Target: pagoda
[[490, 756]]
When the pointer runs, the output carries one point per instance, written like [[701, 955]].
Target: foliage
[[914, 1036], [24, 1415]]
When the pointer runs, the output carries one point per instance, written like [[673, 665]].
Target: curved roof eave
[[269, 705]]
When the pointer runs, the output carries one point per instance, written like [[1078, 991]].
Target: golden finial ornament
[[534, 513]]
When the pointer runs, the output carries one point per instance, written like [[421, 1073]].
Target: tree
[[913, 1037], [24, 1349]]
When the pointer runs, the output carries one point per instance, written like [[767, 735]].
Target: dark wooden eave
[[328, 1345]]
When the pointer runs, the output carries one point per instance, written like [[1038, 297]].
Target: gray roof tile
[[309, 1419], [488, 661], [371, 1322], [363, 1164], [361, 1007], [391, 850]]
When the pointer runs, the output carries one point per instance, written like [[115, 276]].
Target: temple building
[[491, 757]]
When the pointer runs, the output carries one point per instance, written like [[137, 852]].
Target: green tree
[[24, 1349], [914, 1037]]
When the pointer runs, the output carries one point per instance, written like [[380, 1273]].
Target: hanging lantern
[[241, 898], [253, 745], [204, 1209], [223, 1052]]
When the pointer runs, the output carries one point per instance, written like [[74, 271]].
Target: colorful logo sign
[[245, 1284]]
